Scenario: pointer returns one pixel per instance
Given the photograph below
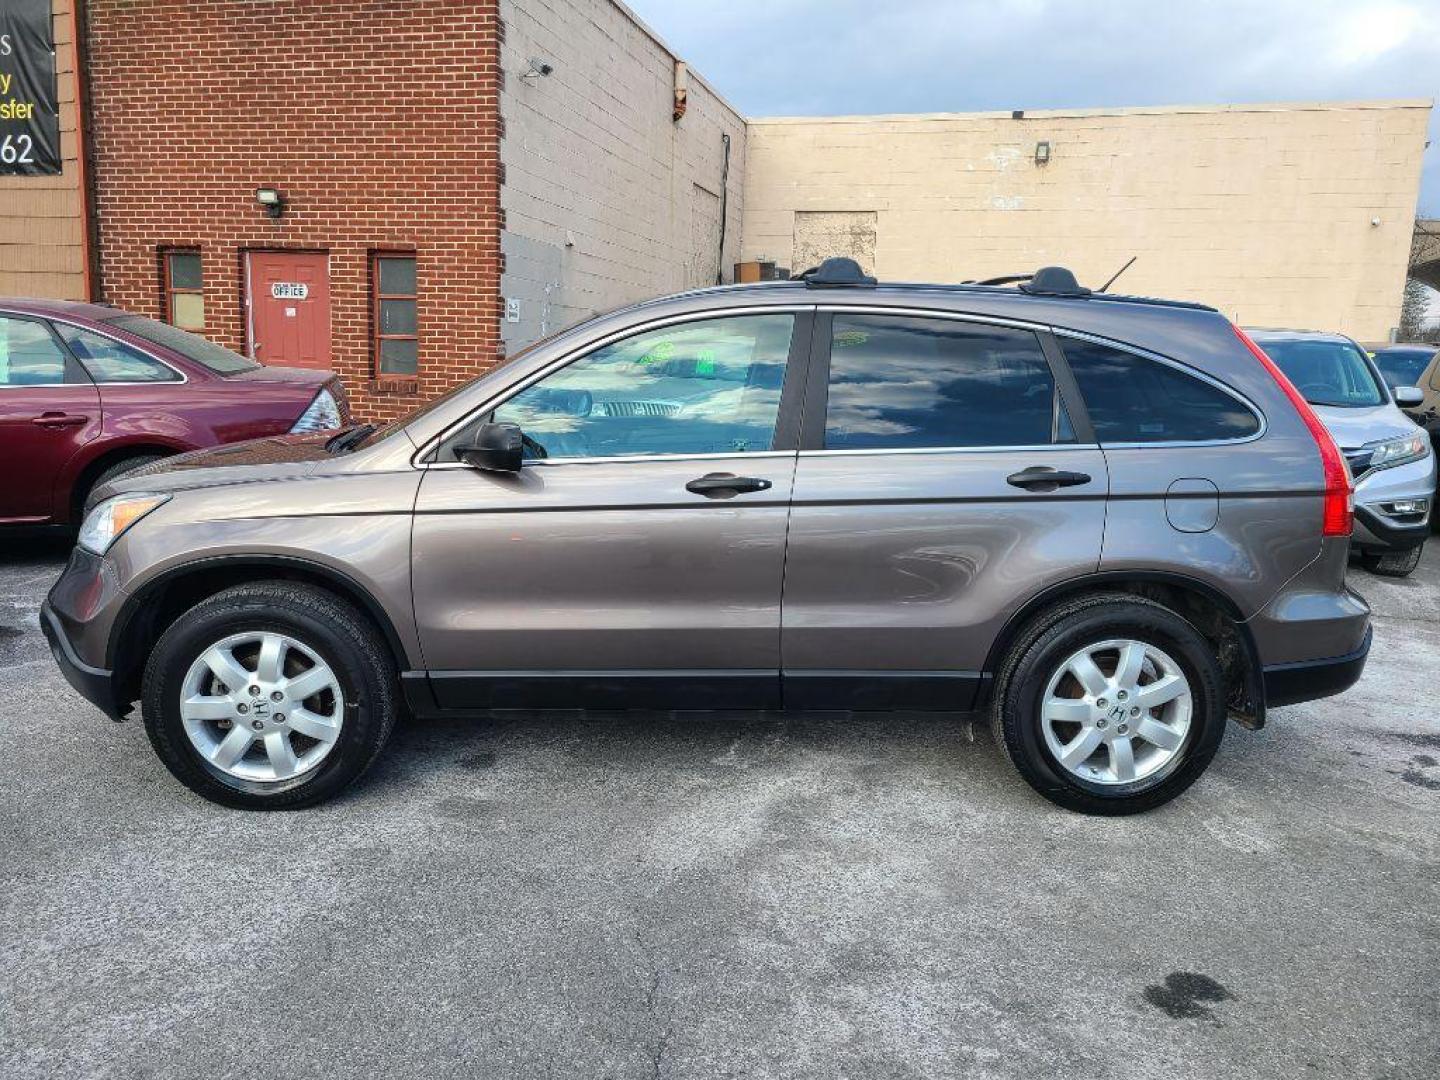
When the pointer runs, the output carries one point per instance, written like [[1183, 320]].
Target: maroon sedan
[[88, 392]]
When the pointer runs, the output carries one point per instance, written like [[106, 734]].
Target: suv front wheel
[[273, 695], [1110, 704]]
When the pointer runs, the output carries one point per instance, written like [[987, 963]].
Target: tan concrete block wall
[[41, 244], [1263, 211], [607, 200]]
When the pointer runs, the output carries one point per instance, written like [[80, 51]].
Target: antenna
[[1106, 286]]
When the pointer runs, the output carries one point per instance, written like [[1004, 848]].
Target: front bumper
[[1374, 528], [95, 685], [1287, 684]]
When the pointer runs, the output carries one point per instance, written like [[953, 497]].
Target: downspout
[[82, 172], [724, 206]]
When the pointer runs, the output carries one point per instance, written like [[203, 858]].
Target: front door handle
[[723, 485], [59, 420], [1044, 478]]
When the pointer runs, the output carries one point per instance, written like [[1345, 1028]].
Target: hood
[[277, 457], [1352, 428]]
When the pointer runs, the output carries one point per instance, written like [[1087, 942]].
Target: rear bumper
[[1288, 684], [95, 685]]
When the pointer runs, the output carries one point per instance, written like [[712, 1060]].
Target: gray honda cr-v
[[1109, 522]]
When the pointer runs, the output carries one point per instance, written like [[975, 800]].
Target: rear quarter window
[[1134, 399]]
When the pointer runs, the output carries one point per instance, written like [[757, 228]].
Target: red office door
[[289, 295]]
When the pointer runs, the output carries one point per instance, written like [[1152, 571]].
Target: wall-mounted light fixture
[[272, 200], [537, 70], [1042, 153]]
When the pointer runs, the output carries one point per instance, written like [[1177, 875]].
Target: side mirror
[[1408, 397], [497, 448]]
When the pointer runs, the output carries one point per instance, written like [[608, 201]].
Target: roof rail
[[1004, 279], [834, 273]]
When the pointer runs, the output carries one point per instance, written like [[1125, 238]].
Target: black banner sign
[[29, 102]]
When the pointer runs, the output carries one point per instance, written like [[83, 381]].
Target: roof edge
[[1128, 110]]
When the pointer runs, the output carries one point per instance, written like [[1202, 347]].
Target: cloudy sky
[[815, 57]]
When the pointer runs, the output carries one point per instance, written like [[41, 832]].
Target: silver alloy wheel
[[261, 706], [1117, 712]]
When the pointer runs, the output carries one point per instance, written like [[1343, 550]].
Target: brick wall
[[607, 198], [1279, 215], [379, 122]]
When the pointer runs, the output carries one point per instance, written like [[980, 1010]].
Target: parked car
[[1418, 366], [1391, 459], [1109, 522], [88, 392], [1412, 365]]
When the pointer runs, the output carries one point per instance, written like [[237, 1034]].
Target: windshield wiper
[[350, 438]]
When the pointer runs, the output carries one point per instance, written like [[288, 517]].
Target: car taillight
[[322, 414], [1339, 515]]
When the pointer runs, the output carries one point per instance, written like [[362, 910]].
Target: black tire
[[341, 635], [120, 468], [1070, 626], [1392, 563]]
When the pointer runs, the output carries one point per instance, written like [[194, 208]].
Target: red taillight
[[1339, 516]]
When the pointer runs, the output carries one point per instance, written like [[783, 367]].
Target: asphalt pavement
[[731, 895]]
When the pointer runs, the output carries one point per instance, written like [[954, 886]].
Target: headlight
[[322, 414], [104, 524], [1399, 451]]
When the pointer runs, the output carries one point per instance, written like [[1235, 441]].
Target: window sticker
[[663, 350]]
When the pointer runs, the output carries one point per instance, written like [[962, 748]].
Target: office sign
[[29, 99], [289, 290]]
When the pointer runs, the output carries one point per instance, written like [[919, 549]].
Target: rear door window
[[111, 361], [899, 382], [1134, 399]]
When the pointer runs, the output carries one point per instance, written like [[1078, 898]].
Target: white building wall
[[1279, 215], [607, 199]]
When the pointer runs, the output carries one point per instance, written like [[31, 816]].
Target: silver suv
[[1388, 453], [1108, 522]]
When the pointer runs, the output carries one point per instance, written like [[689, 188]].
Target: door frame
[[451, 692], [246, 293], [920, 690]]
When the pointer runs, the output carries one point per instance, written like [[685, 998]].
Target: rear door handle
[[1044, 478], [723, 485], [59, 419]]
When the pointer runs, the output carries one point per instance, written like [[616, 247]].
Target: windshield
[[1403, 367], [1326, 372], [206, 353]]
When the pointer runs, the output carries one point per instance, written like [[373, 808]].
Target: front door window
[[705, 387]]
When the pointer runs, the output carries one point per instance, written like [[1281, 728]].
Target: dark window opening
[[397, 332], [184, 294]]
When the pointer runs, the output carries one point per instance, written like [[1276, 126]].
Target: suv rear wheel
[[1110, 704], [269, 696]]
